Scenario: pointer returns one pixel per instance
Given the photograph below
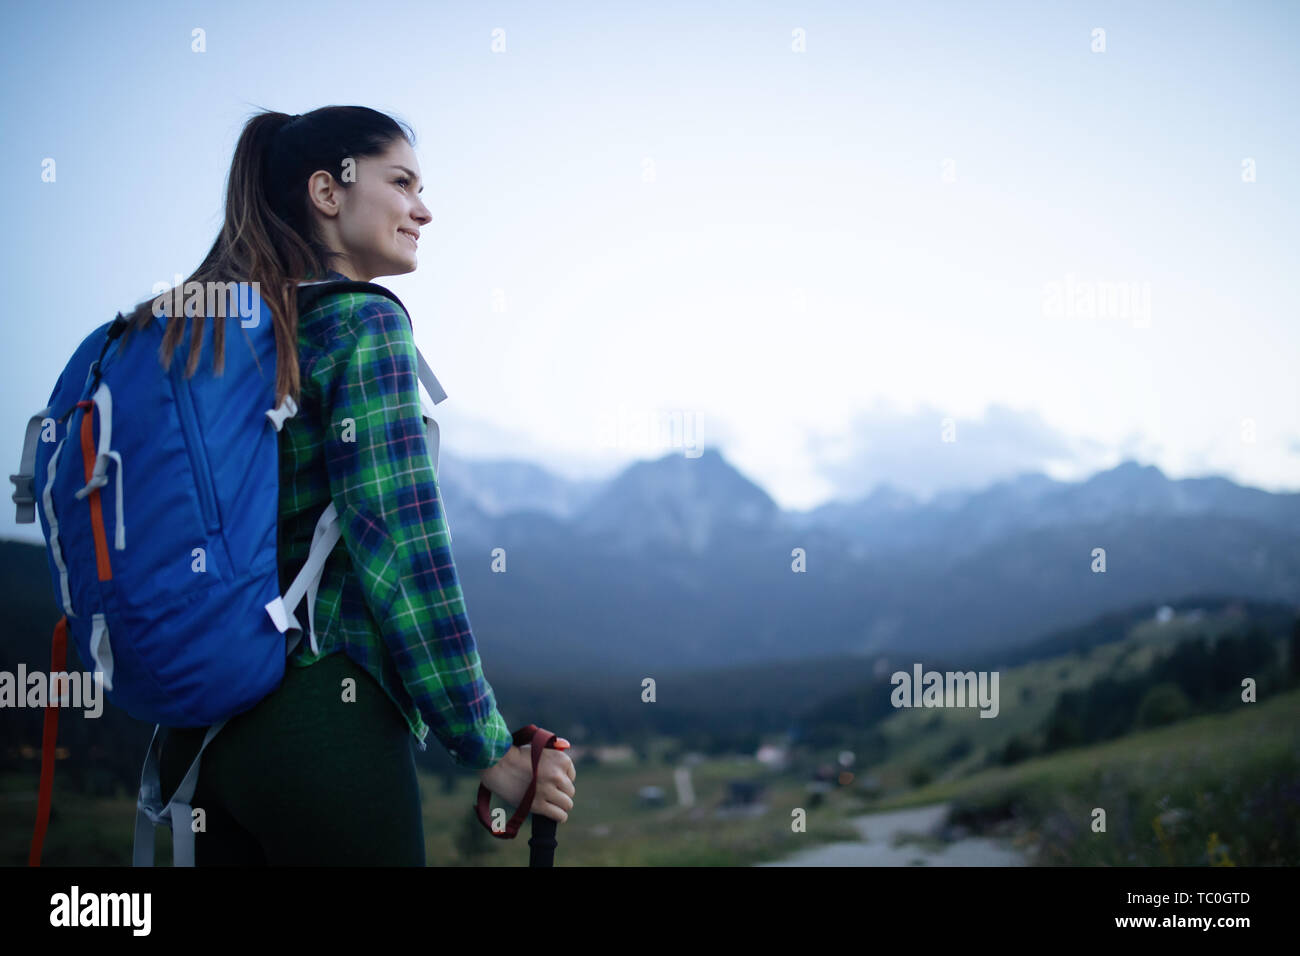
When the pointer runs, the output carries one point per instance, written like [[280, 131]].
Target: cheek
[[371, 228], [386, 219], [358, 231]]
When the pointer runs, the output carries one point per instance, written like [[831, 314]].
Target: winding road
[[879, 831]]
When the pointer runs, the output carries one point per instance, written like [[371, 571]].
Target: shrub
[[1163, 704], [1016, 750]]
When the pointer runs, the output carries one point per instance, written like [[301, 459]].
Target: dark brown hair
[[268, 234]]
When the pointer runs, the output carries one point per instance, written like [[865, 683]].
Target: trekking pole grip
[[542, 843]]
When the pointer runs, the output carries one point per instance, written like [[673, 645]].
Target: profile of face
[[373, 222]]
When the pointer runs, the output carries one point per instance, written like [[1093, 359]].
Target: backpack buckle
[[287, 409], [24, 490]]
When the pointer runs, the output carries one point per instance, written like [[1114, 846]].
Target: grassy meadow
[[1210, 786]]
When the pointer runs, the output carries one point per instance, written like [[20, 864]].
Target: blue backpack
[[161, 526]]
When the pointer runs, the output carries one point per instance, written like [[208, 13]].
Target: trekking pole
[[541, 846]]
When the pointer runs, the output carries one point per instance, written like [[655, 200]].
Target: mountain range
[[686, 563]]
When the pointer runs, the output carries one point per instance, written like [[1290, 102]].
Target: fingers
[[561, 777], [557, 799], [548, 809], [563, 760], [555, 784], [550, 756]]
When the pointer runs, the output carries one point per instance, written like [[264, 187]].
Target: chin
[[398, 268]]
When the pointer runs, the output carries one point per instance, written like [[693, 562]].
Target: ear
[[324, 193]]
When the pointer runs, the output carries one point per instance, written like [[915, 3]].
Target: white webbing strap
[[429, 380], [286, 409], [431, 432], [307, 582], [431, 438], [56, 548], [101, 649], [176, 813], [437, 394], [103, 399]]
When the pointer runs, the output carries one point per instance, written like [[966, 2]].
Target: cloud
[[907, 449]]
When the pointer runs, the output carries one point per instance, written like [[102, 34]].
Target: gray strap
[[323, 540], [176, 813], [51, 519], [24, 494], [432, 436], [428, 379], [431, 439], [282, 609]]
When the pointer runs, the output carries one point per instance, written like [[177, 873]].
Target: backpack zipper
[[198, 454]]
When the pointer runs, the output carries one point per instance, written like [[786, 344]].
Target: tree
[[1163, 704], [1063, 730], [1016, 750]]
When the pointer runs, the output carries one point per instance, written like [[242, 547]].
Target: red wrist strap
[[540, 739]]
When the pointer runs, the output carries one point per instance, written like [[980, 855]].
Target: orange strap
[[59, 643], [89, 455], [58, 664]]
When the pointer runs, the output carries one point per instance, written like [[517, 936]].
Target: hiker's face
[[370, 221]]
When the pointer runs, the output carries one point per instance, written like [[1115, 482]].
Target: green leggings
[[306, 778]]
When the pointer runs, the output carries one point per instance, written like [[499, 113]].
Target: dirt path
[[876, 847]]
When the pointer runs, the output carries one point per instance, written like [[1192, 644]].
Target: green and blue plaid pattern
[[389, 596]]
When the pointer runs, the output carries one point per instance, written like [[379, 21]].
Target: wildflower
[[1218, 852]]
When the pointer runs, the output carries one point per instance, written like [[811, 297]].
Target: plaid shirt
[[389, 596]]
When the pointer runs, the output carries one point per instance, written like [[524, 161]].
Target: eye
[[404, 181]]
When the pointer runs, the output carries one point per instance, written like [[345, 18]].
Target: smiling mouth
[[414, 242]]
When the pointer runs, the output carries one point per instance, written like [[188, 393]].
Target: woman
[[321, 771]]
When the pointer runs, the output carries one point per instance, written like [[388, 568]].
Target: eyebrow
[[411, 173]]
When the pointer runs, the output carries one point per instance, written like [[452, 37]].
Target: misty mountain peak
[[677, 501]]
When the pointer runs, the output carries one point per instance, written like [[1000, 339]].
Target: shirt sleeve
[[391, 519]]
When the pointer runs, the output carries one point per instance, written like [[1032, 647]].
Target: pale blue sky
[[805, 273]]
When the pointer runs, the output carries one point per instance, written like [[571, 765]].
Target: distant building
[[620, 754], [742, 800], [605, 755], [743, 792]]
